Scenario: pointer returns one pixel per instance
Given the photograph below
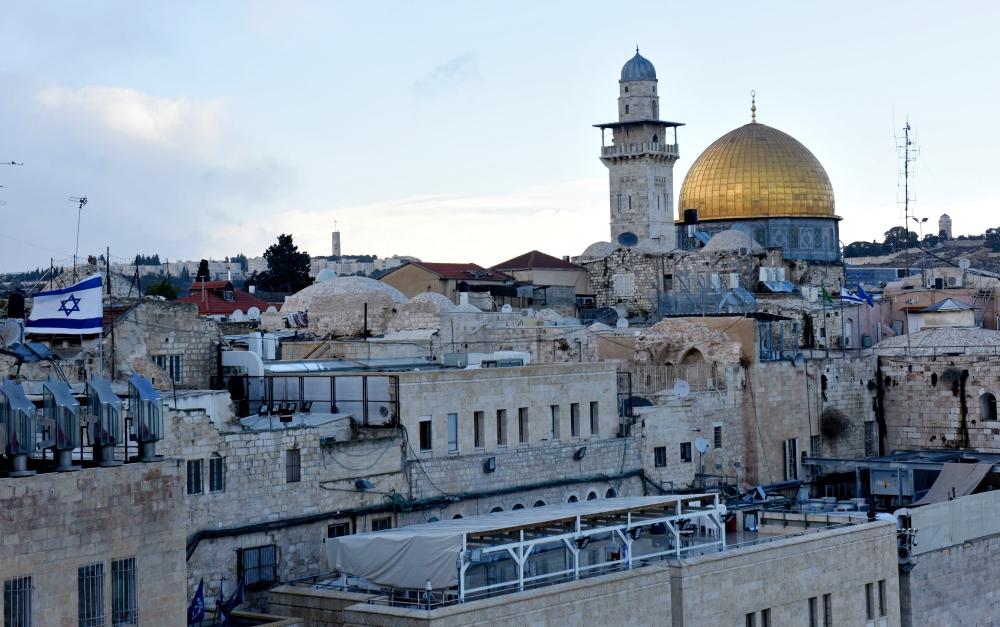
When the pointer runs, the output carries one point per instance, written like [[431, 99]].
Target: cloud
[[130, 112], [447, 77]]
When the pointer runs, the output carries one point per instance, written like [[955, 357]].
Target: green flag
[[826, 295]]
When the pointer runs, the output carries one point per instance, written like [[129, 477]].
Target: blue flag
[[232, 603], [864, 295], [220, 600], [74, 310], [196, 611]]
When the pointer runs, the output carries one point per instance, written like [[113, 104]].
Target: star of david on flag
[[74, 310]]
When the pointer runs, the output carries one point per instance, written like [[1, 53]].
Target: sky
[[456, 131]]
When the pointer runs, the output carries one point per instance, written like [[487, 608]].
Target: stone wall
[[52, 524], [953, 586]]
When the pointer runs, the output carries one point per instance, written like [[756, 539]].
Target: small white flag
[[74, 310]]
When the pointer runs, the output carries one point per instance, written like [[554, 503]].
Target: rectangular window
[[175, 369], [194, 481], [624, 285], [522, 424], [216, 474], [19, 602], [685, 451], [381, 524], [257, 566], [574, 420], [338, 530], [881, 599], [814, 446], [161, 361], [668, 282], [717, 437], [791, 459], [869, 601], [502, 427], [660, 456], [293, 466], [827, 610], [813, 622], [478, 426], [124, 593], [452, 432], [90, 596], [554, 409], [425, 433], [765, 618], [752, 619], [594, 422]]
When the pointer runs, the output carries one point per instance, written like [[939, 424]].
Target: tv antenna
[[907, 154], [10, 163], [76, 251]]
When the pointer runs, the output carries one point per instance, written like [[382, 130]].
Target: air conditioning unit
[[954, 281], [743, 251], [527, 313]]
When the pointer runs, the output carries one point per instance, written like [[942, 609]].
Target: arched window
[[655, 138], [496, 509], [630, 203], [572, 499], [456, 516], [539, 504], [592, 496], [433, 519], [518, 506], [610, 493], [988, 406], [693, 356]]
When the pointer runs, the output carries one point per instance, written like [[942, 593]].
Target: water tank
[[866, 340], [690, 216], [15, 304]]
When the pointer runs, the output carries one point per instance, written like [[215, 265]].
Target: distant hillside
[[949, 252]]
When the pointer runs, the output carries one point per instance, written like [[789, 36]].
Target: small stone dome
[[731, 240], [438, 300], [638, 68], [325, 275], [598, 250], [937, 340], [301, 300]]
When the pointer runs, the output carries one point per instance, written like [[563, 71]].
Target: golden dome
[[757, 171]]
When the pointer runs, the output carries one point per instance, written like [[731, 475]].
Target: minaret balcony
[[638, 148]]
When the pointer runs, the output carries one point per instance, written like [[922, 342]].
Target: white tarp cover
[[408, 556], [954, 481]]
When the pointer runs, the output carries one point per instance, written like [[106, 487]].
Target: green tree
[[240, 259], [164, 289], [993, 239], [203, 273], [287, 268], [898, 238], [930, 240], [864, 249]]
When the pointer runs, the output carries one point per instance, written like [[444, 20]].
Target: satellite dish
[[701, 445], [506, 309], [606, 315], [622, 323], [272, 309], [253, 313], [798, 360], [964, 263], [383, 411], [236, 316], [628, 239], [682, 388]]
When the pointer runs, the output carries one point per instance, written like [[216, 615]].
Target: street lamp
[[920, 223]]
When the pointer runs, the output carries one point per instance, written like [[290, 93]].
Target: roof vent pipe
[[18, 417], [146, 410], [62, 417]]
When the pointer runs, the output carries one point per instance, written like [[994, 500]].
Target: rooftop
[[536, 259], [462, 271], [210, 302]]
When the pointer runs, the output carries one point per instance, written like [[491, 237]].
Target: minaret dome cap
[[638, 68]]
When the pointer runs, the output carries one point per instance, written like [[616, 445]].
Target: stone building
[[417, 277], [944, 226], [97, 546]]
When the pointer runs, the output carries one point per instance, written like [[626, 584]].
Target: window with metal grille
[[194, 481], [478, 426], [425, 433], [502, 427], [216, 474], [161, 361], [90, 596], [452, 432], [717, 437], [594, 419], [124, 593], [293, 469], [18, 602], [871, 439], [685, 451], [660, 456], [338, 530], [381, 524], [574, 420], [257, 566], [175, 369], [791, 459], [814, 446]]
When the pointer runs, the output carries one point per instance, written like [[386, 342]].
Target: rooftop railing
[[632, 148]]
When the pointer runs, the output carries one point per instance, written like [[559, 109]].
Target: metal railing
[[631, 148], [648, 380]]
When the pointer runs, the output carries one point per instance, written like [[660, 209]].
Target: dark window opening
[[660, 456], [382, 524], [685, 451], [717, 437], [425, 435], [217, 474], [338, 530], [257, 566], [194, 481], [293, 467]]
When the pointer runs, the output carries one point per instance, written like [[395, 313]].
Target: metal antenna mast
[[908, 154], [76, 251]]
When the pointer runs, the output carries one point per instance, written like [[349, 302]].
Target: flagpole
[[843, 326]]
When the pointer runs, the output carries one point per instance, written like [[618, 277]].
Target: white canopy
[[408, 556]]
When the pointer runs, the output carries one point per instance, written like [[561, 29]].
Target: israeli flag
[[74, 310], [847, 297]]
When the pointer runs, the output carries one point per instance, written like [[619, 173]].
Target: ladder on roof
[[981, 302]]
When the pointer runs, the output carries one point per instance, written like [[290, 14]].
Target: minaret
[[641, 158]]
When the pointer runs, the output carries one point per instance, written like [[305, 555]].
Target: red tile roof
[[210, 303], [463, 271], [536, 259]]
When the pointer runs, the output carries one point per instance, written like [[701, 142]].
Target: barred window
[[216, 473], [381, 524], [124, 593], [90, 597], [574, 420], [194, 480], [293, 468], [660, 456], [258, 566], [338, 530], [18, 602], [175, 369], [717, 436]]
